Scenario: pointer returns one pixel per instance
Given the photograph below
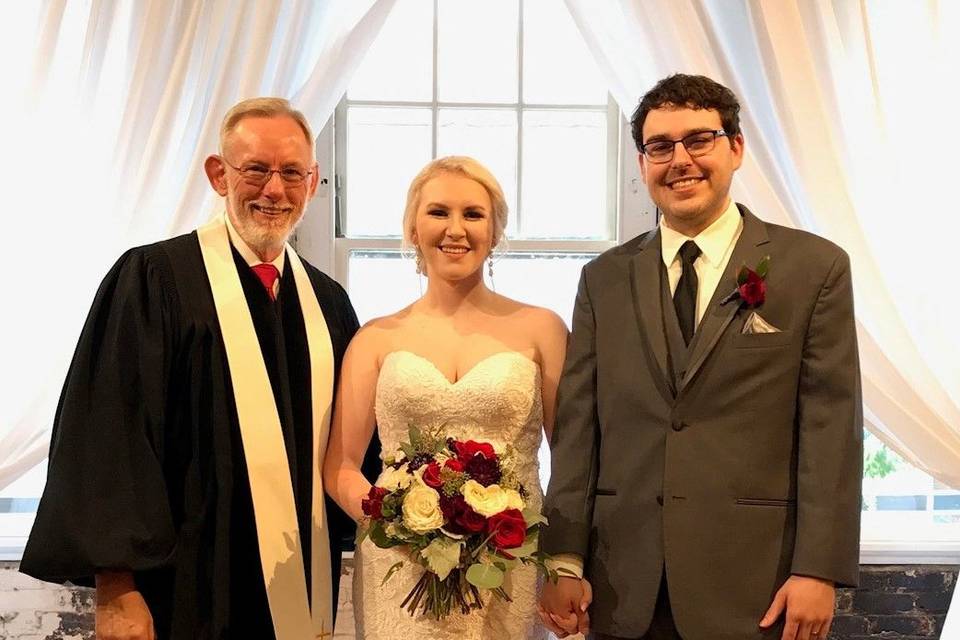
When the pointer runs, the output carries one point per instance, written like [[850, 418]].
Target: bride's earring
[[418, 259], [490, 273]]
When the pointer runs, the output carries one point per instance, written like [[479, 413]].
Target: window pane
[[386, 149], [903, 503], [382, 282], [399, 63], [564, 176], [490, 136], [557, 66], [477, 51]]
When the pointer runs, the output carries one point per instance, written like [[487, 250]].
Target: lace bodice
[[497, 401]]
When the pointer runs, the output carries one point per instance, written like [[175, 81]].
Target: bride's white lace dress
[[497, 401]]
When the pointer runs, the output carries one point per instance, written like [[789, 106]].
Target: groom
[[707, 451]]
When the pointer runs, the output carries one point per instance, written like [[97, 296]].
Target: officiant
[[184, 463]]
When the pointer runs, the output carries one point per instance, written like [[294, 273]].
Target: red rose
[[372, 505], [508, 528], [460, 517], [466, 450], [431, 476], [754, 290], [454, 464]]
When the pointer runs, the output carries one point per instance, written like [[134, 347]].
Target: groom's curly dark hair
[[695, 92]]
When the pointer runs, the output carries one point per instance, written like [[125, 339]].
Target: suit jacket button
[[660, 500], [678, 426]]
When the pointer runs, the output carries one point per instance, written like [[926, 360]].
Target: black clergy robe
[[147, 472]]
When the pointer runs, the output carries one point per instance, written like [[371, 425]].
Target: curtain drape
[[116, 104], [847, 111]]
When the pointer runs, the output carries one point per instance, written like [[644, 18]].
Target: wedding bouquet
[[460, 510]]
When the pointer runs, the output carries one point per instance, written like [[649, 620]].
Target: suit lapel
[[645, 286], [748, 250]]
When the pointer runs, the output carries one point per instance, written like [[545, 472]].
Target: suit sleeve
[[573, 449], [105, 505], [830, 447]]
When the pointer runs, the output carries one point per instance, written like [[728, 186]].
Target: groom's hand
[[809, 604], [563, 606]]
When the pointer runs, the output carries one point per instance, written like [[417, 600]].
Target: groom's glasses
[[696, 144], [259, 175]]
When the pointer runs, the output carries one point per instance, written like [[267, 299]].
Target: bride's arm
[[352, 425], [552, 345]]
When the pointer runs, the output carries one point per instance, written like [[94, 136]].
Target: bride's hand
[[563, 606]]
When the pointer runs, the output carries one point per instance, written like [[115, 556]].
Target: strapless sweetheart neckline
[[466, 374]]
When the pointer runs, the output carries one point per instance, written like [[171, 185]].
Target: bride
[[482, 366]]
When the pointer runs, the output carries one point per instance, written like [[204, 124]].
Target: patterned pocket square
[[756, 324]]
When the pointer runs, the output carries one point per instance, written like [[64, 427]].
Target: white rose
[[487, 501], [514, 500], [421, 509], [393, 479]]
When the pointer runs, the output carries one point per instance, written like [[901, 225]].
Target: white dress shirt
[[249, 255], [716, 244]]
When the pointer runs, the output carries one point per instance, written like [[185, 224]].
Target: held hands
[[563, 606], [122, 613], [809, 606]]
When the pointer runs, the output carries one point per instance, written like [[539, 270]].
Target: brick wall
[[892, 603], [902, 602]]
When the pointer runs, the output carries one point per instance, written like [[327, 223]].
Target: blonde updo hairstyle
[[462, 166]]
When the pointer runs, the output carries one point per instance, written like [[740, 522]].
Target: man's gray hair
[[262, 108]]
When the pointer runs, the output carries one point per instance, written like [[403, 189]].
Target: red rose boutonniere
[[751, 285]]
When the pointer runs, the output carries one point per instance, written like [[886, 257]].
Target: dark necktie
[[268, 275], [685, 296]]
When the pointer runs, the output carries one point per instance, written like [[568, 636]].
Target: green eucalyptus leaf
[[379, 537], [392, 570], [529, 546], [442, 556], [533, 517], [485, 576]]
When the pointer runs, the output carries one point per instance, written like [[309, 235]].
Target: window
[[907, 515], [508, 82]]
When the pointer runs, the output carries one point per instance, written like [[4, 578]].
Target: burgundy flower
[[431, 476], [466, 451], [486, 471], [454, 464], [509, 529], [460, 517], [753, 291], [372, 505]]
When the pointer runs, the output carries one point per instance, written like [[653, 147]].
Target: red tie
[[268, 275]]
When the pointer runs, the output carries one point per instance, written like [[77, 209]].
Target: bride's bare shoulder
[[376, 337], [531, 317]]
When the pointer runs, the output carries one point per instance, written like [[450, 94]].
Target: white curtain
[[114, 106], [848, 115]]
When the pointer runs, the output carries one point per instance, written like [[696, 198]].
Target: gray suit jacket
[[729, 465]]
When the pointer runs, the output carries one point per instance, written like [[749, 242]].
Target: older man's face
[[265, 214]]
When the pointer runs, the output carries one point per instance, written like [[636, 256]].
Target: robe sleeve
[[105, 505]]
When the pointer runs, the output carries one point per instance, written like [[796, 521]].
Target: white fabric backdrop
[[115, 105], [848, 119]]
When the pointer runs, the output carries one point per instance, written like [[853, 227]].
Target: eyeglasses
[[696, 144], [259, 175]]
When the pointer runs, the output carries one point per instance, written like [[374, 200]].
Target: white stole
[[274, 509]]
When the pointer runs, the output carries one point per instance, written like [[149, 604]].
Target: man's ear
[[216, 174], [736, 146], [314, 180], [643, 167]]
